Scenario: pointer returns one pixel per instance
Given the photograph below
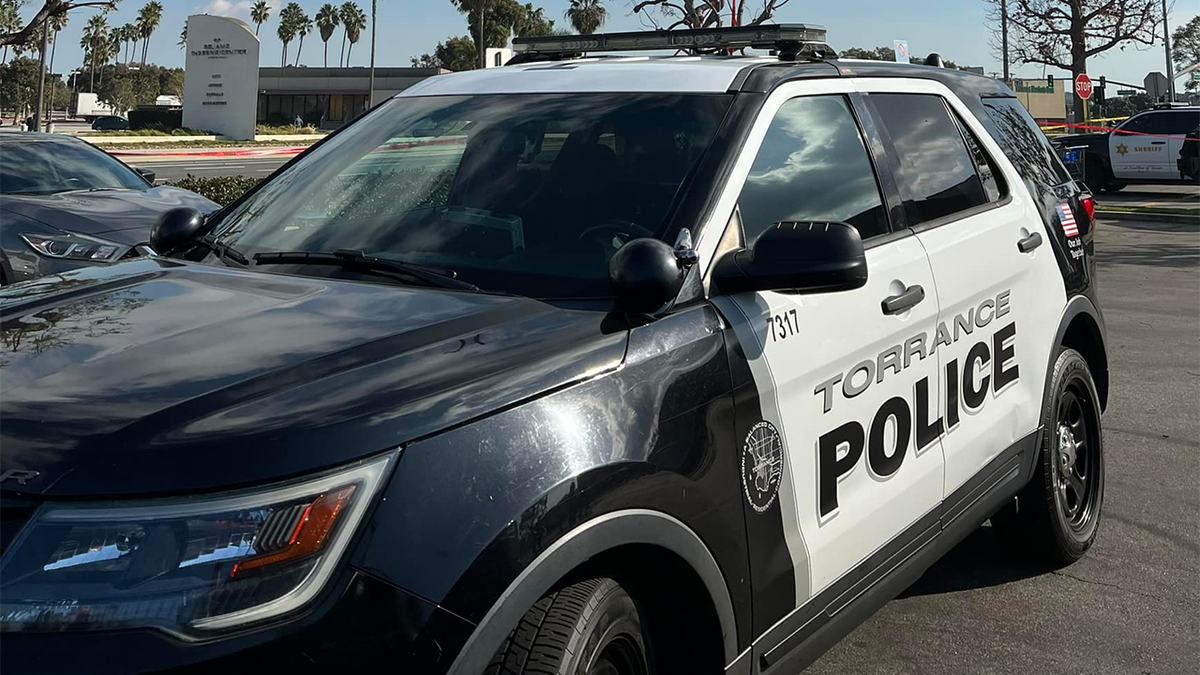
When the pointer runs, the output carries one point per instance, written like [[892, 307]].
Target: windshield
[[43, 168], [522, 194]]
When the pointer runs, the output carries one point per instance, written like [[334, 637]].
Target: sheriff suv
[[586, 365], [1153, 146]]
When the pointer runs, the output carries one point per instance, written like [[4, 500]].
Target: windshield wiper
[[357, 261], [222, 250]]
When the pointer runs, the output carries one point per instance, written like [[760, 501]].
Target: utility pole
[[1004, 38], [1167, 44], [482, 37], [41, 89], [371, 89]]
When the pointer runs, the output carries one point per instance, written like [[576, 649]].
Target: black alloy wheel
[[1057, 515]]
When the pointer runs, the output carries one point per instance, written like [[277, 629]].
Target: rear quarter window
[[1025, 144]]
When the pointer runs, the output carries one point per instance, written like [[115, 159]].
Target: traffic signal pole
[[1167, 44]]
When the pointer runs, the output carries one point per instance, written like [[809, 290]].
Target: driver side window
[[813, 166]]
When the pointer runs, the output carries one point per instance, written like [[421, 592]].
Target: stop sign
[[1083, 86]]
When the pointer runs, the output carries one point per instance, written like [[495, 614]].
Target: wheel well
[[682, 621], [1083, 335]]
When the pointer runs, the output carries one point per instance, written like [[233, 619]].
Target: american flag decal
[[1068, 220]]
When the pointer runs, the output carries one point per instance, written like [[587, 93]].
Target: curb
[[1150, 217], [262, 152]]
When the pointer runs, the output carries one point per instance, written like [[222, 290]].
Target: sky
[[956, 29]]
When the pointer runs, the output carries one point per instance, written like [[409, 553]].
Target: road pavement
[[1132, 605]]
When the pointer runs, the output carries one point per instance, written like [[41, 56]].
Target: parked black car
[[65, 204], [111, 123]]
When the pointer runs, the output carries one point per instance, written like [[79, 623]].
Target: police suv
[[1153, 146], [586, 365]]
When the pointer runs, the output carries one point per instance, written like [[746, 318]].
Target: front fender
[[483, 519]]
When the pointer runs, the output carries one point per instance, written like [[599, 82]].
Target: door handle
[[1029, 243], [899, 303], [1158, 142]]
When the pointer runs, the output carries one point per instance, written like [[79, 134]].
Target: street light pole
[[1167, 44], [41, 88], [371, 89], [1004, 37]]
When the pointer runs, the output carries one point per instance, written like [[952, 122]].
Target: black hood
[[154, 376], [125, 216], [1068, 140]]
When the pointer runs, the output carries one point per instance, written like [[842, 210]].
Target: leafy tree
[[586, 16], [18, 83], [260, 13], [492, 22], [328, 20], [13, 33], [531, 22], [1185, 48], [148, 19], [888, 54], [1066, 33], [456, 53]]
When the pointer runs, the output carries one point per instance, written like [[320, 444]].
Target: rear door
[[842, 453], [1182, 123], [997, 283]]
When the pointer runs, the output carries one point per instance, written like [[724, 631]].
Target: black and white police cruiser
[[586, 365], [1153, 146]]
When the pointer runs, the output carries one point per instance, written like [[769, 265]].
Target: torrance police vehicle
[[581, 365]]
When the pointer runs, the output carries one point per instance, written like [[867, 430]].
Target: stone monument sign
[[220, 92]]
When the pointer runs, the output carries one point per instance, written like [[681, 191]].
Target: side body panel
[[482, 502]]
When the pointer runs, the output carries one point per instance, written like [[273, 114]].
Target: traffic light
[[1050, 81], [1102, 82]]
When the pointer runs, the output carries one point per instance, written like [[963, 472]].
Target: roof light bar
[[788, 37]]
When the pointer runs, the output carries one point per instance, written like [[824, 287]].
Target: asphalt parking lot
[[1133, 604]]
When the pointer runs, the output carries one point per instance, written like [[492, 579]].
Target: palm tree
[[349, 13], [586, 15], [285, 32], [304, 26], [57, 23], [354, 26], [183, 36], [259, 14], [327, 22], [93, 41], [148, 19], [10, 22]]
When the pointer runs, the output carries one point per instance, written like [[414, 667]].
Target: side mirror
[[175, 229], [798, 258], [148, 174], [646, 274]]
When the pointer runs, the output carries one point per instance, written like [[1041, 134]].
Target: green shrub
[[220, 189], [283, 130]]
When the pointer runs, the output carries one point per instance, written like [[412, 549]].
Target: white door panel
[[835, 360]]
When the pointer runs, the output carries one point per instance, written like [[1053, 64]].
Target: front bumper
[[369, 626]]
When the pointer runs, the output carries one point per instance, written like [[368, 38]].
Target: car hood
[[157, 377], [122, 215]]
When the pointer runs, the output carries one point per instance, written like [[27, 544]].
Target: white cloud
[[236, 8]]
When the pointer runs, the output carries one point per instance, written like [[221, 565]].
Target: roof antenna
[[935, 60]]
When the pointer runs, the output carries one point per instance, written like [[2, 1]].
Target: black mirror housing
[[796, 258], [175, 229], [646, 274], [148, 174]]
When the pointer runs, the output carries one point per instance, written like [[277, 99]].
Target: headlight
[[70, 246], [192, 566]]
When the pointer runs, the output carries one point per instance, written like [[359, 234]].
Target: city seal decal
[[762, 465]]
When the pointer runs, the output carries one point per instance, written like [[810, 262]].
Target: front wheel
[[1058, 514], [588, 628]]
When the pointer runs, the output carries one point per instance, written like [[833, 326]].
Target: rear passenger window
[[1025, 145], [936, 175], [813, 166]]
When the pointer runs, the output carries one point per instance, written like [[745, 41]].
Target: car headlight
[[192, 567], [72, 246]]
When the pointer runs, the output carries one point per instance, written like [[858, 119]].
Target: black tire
[[1057, 516], [588, 628]]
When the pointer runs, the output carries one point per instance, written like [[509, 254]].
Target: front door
[[845, 454]]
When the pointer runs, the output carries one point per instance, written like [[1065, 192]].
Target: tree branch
[[49, 9]]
